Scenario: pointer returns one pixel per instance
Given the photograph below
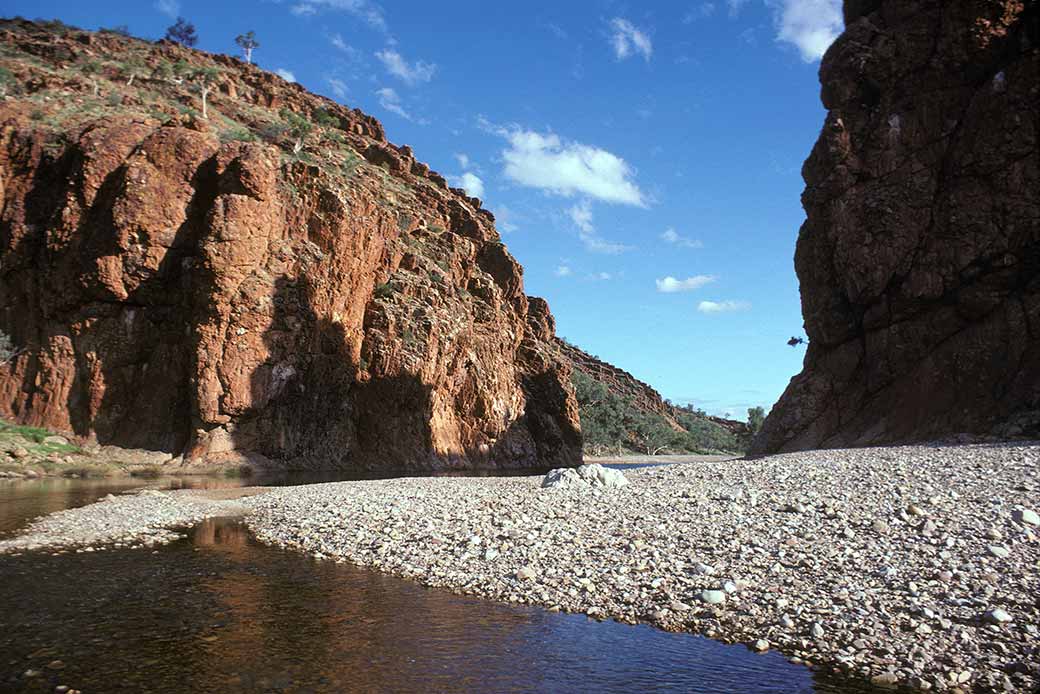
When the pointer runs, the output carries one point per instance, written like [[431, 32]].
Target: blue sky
[[643, 159]]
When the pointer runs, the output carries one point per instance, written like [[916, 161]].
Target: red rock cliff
[[919, 260], [230, 287]]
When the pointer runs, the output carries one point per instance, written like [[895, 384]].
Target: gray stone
[[1026, 516], [526, 573], [594, 475], [880, 527], [886, 680], [713, 597], [997, 616], [999, 551]]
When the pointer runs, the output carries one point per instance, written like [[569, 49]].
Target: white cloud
[[595, 244], [566, 168], [285, 74], [626, 39], [810, 25], [397, 66], [391, 101], [338, 87], [557, 30], [364, 10], [675, 238], [504, 219], [735, 6], [701, 11], [170, 8], [581, 216], [722, 306], [603, 276], [563, 271], [462, 159], [670, 285], [471, 183], [342, 46]]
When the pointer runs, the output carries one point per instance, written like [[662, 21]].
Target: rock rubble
[[849, 582]]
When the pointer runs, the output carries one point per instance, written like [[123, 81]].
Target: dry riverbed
[[913, 565]]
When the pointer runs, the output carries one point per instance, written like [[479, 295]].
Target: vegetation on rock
[[612, 424], [278, 283]]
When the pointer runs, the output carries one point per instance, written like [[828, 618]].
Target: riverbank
[[31, 452], [895, 565], [911, 565]]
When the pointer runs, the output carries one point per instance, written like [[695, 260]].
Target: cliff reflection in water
[[218, 612]]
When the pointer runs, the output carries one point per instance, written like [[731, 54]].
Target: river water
[[219, 612]]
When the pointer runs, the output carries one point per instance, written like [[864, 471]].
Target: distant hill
[[620, 413]]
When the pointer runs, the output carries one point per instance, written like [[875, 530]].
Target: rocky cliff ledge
[[919, 260], [259, 276]]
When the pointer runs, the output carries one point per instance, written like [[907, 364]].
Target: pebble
[[760, 645], [996, 616], [811, 583], [999, 551], [880, 527], [1026, 516], [887, 680]]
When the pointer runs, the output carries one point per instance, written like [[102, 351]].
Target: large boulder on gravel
[[594, 475]]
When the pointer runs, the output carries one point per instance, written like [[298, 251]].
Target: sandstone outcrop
[[237, 288], [919, 260]]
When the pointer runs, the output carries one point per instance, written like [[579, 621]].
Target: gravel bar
[[142, 519], [914, 566]]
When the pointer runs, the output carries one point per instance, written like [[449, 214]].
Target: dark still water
[[218, 612]]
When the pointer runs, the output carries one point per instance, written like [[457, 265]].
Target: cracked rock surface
[[919, 260]]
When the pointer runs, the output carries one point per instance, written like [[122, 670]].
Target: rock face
[[919, 260], [229, 288]]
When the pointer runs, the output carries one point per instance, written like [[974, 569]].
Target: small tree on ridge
[[247, 42], [183, 32], [204, 78]]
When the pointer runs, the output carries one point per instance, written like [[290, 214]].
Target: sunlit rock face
[[224, 288]]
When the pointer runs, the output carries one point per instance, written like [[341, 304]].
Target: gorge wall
[[245, 286], [919, 260]]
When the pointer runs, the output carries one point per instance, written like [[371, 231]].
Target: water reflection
[[217, 612], [21, 501]]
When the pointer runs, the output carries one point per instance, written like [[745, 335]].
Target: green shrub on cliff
[[7, 349], [612, 425]]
